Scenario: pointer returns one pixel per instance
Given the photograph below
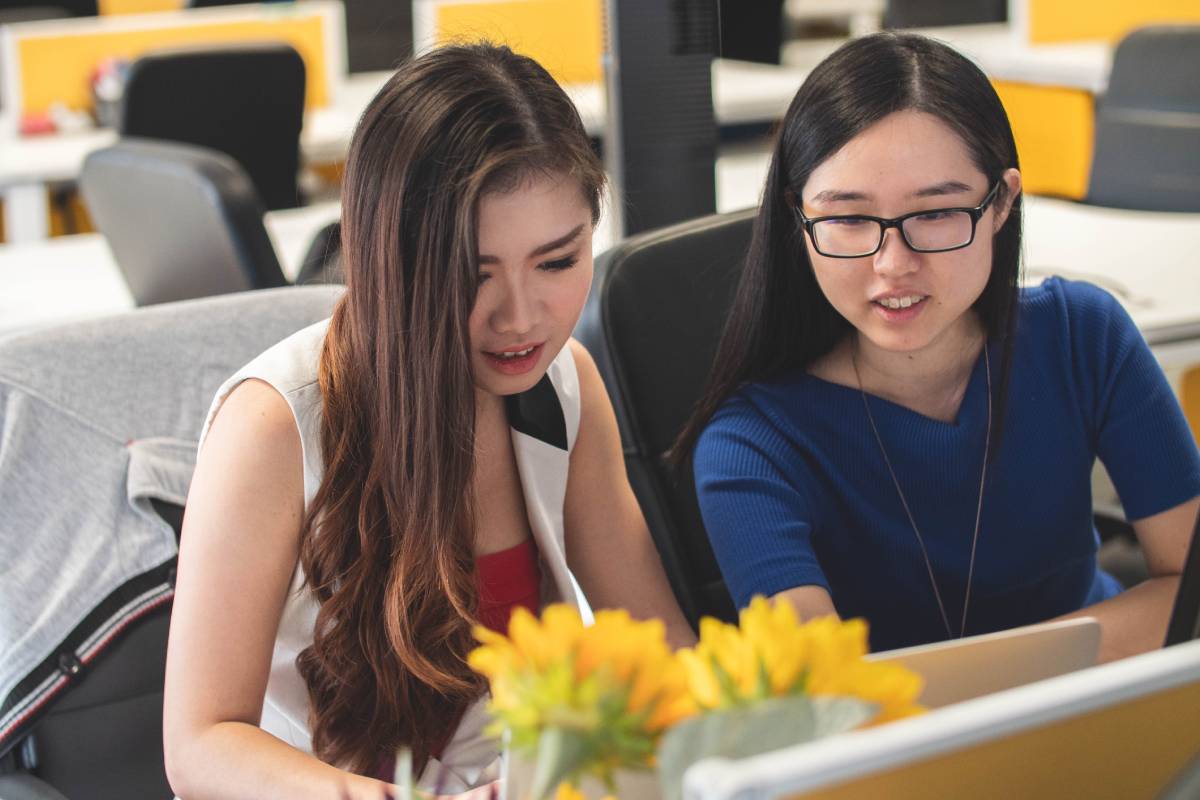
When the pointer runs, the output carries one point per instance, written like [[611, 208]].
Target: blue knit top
[[794, 491]]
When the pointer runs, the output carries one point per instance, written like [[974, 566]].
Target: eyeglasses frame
[[976, 213]]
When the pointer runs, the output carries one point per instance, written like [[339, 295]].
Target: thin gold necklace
[[987, 364]]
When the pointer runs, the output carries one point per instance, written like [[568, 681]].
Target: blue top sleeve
[[752, 496], [1140, 433]]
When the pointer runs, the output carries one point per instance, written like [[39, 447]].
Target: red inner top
[[507, 579]]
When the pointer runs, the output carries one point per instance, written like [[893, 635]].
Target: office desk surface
[[75, 276], [1146, 259]]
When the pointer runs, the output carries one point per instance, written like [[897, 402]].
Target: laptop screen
[[1185, 618]]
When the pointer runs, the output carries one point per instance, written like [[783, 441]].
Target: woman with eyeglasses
[[894, 429]]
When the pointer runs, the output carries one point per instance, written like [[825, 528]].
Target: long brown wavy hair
[[387, 542]]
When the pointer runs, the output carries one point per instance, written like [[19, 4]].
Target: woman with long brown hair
[[434, 455]]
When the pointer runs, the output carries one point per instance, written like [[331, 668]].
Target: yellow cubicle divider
[[1076, 20], [565, 36], [53, 60], [1189, 398], [1132, 749], [1054, 128], [115, 7]]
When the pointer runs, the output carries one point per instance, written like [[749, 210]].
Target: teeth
[[900, 302], [517, 354]]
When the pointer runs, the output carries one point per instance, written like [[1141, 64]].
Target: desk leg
[[26, 213]]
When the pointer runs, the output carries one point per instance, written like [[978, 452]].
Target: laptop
[[963, 669]]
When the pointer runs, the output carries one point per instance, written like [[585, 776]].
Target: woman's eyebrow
[[838, 195], [848, 195], [540, 250], [945, 187]]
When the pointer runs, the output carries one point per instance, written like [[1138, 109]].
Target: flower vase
[[516, 781]]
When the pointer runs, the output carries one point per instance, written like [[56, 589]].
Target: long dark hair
[[387, 541], [780, 320]]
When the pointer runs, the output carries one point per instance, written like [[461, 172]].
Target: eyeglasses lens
[[850, 237], [940, 231]]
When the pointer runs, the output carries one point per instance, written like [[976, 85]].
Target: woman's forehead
[[906, 152]]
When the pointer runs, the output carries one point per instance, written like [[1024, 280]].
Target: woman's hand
[[376, 790]]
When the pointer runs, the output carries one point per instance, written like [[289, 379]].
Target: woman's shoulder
[[291, 363], [1071, 302], [785, 407], [285, 370]]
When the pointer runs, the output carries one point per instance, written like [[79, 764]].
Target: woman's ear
[[789, 197], [1012, 188]]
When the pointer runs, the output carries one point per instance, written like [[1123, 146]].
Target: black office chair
[[182, 221], [245, 100], [116, 404], [928, 13], [1148, 123], [652, 323], [322, 263]]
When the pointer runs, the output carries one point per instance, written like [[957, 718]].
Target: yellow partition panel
[[56, 67], [1073, 20], [564, 36], [1132, 749], [1189, 397], [110, 8], [1054, 128]]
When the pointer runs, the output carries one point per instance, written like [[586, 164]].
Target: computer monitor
[[1185, 617]]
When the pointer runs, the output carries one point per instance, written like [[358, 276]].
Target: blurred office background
[[165, 150]]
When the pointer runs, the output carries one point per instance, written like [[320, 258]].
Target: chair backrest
[[101, 419], [1148, 123], [182, 221], [322, 262], [653, 322], [245, 100]]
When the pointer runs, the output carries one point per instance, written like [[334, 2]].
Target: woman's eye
[[483, 276], [559, 264], [846, 222], [936, 216]]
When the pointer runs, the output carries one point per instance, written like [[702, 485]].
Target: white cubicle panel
[[1125, 729], [29, 164]]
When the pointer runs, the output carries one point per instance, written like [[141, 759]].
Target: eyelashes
[[557, 265]]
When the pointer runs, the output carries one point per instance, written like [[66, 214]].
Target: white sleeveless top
[[544, 423]]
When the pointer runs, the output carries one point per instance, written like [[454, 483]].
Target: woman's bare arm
[[1135, 621], [238, 553], [608, 544]]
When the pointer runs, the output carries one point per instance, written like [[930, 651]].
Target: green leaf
[[560, 753], [750, 730]]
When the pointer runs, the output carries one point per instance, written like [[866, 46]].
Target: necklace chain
[[904, 501]]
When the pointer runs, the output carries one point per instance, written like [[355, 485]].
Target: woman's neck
[[930, 381]]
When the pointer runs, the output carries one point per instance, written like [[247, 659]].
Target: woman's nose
[[895, 257], [515, 312]]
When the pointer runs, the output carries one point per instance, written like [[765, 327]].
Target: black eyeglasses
[[935, 230]]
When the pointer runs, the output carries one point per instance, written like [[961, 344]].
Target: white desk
[[75, 276], [1001, 52], [1146, 259], [742, 93]]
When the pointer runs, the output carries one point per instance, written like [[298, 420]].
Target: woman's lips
[[896, 309], [514, 361]]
